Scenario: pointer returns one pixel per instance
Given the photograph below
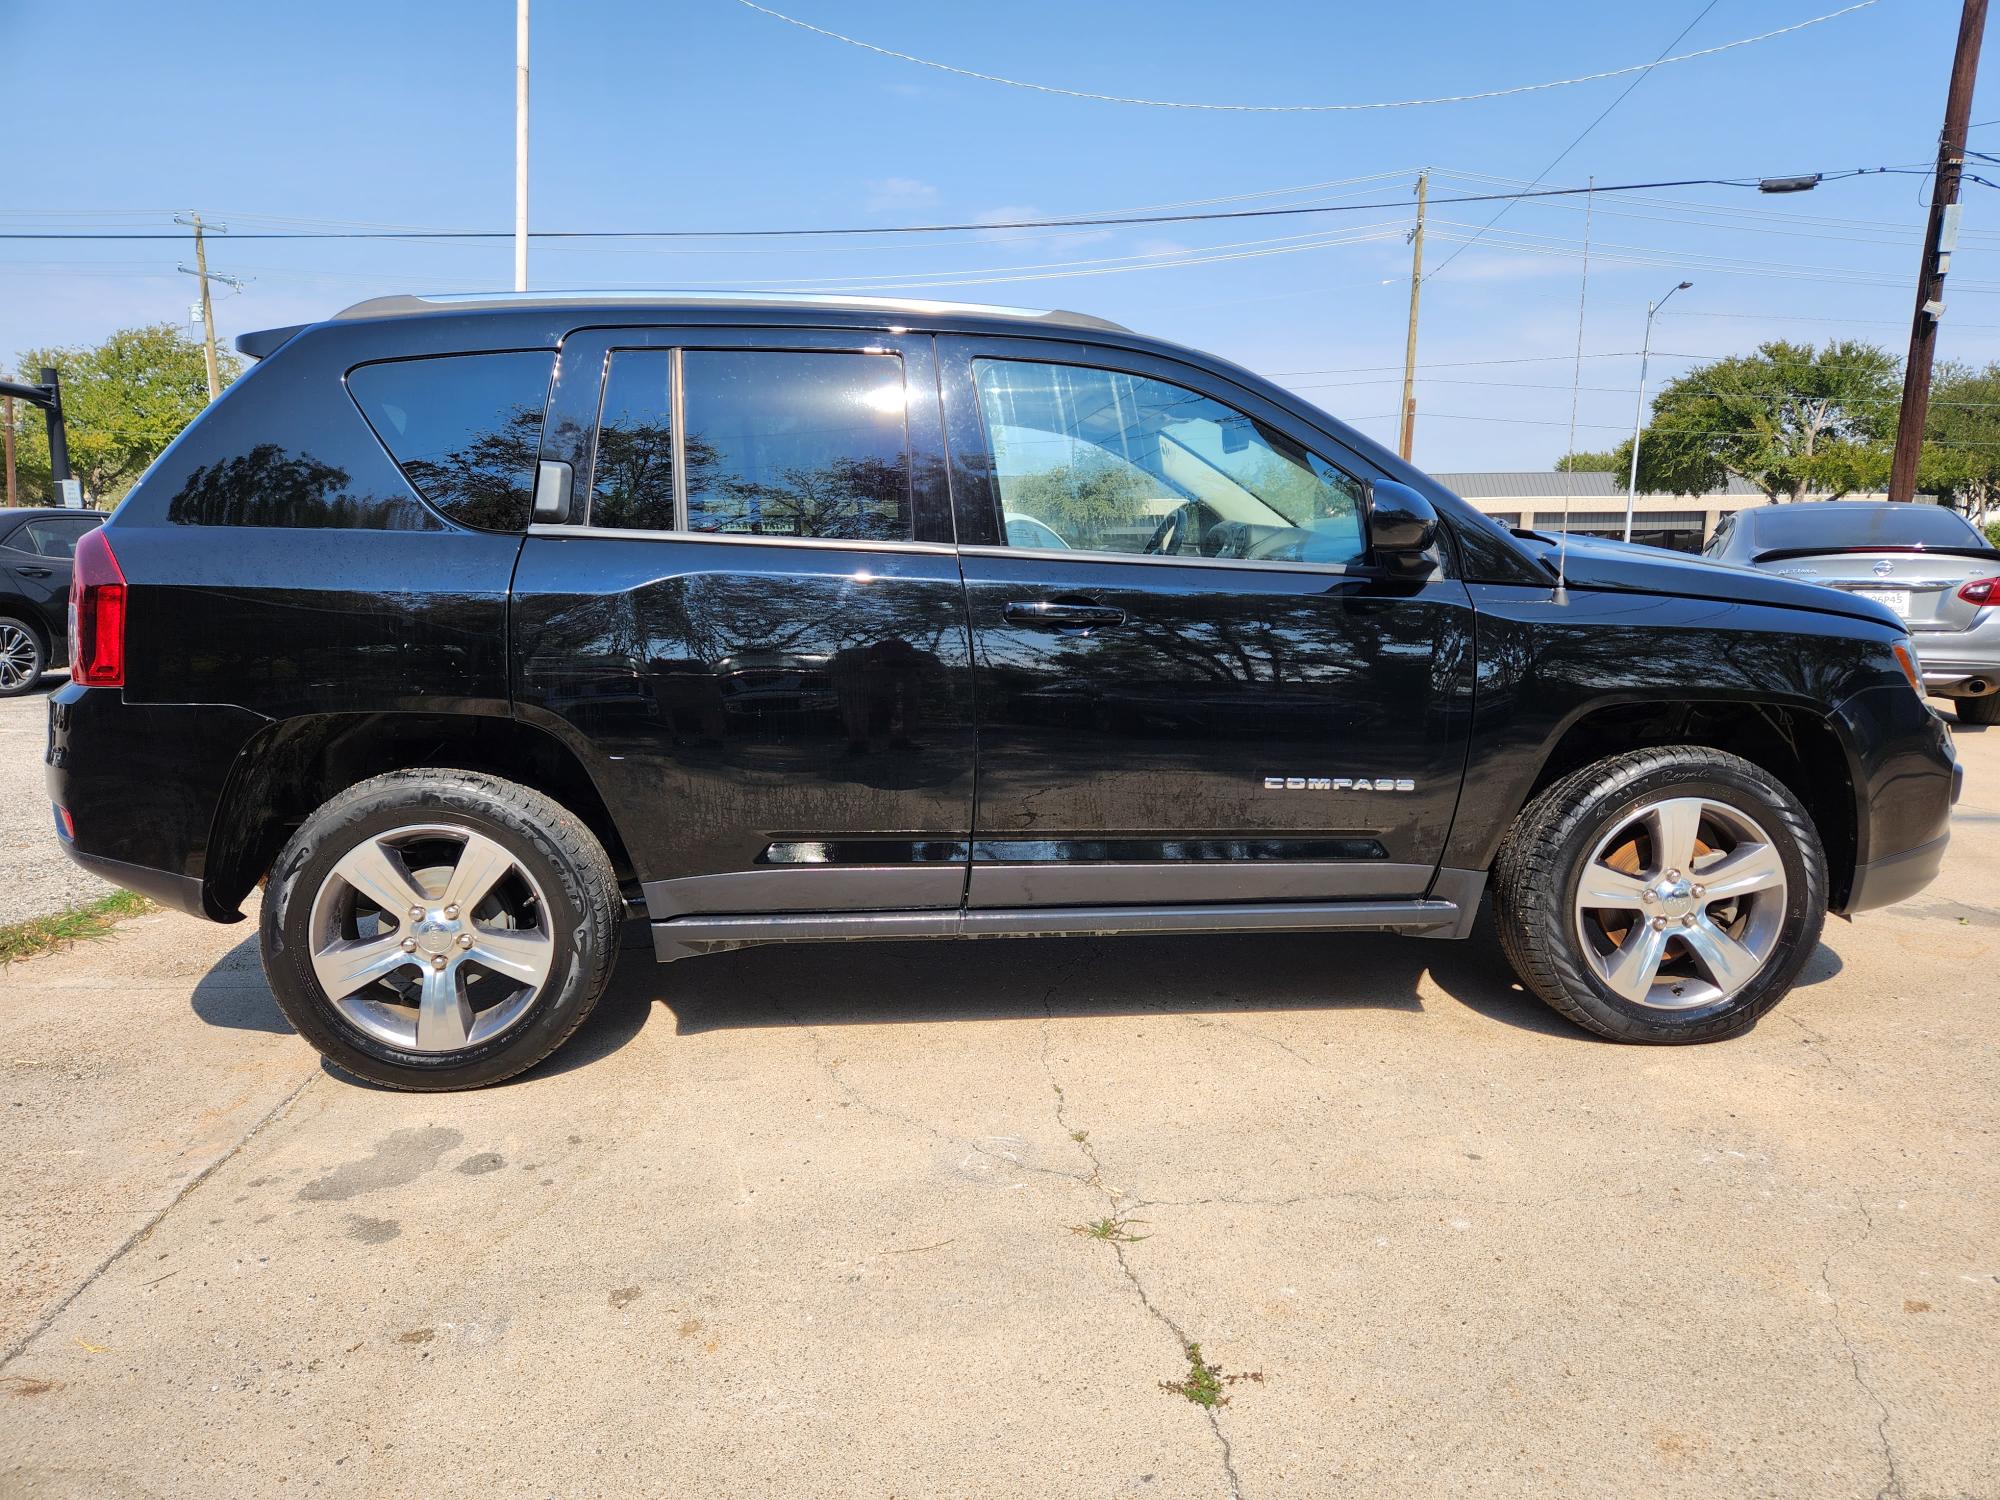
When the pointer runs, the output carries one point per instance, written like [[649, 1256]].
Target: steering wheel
[[1171, 532]]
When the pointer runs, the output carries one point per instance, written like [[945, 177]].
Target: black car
[[473, 625], [35, 551]]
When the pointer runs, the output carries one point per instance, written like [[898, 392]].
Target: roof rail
[[405, 305]]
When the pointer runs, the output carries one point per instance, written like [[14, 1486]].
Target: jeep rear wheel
[[440, 929], [1668, 895]]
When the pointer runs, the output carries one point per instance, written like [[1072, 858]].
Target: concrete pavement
[[800, 1222]]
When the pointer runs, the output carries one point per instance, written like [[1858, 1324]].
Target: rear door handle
[[1063, 614], [33, 572]]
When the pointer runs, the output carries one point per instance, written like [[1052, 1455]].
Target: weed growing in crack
[[1111, 1229], [1204, 1382], [1079, 1136]]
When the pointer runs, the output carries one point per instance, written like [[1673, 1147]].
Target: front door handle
[[33, 572], [1063, 614]]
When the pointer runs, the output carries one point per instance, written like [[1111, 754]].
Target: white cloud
[[899, 193]]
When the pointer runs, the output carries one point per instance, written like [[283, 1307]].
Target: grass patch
[[39, 935], [1110, 1229], [1204, 1382]]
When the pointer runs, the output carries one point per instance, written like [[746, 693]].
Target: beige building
[[1596, 505]]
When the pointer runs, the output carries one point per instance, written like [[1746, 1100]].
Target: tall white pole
[[1638, 416], [1639, 411], [521, 145]]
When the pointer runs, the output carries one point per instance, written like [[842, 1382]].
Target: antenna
[[1575, 389]]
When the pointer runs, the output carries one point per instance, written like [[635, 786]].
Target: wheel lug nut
[[1673, 874], [409, 945], [416, 913], [1659, 924], [1647, 896], [1701, 890], [438, 962], [451, 913], [465, 940], [1688, 920]]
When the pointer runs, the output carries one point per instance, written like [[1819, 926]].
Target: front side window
[[465, 429], [1104, 461]]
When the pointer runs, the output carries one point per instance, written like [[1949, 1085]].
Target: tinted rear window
[[1837, 527], [465, 429]]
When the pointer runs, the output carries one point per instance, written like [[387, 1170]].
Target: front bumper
[[1884, 882]]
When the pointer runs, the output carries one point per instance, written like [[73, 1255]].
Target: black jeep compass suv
[[471, 625]]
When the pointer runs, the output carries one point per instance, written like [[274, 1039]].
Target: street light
[[1639, 412]]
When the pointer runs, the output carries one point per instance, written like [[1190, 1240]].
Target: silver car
[[1926, 563]]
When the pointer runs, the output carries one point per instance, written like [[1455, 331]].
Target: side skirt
[[687, 937]]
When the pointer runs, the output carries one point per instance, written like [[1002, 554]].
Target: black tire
[[1537, 877], [1984, 710], [27, 656], [580, 905]]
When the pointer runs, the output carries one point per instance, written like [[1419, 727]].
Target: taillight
[[1980, 591], [96, 614]]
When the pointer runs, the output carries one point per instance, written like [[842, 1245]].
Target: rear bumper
[[1884, 882], [180, 892], [141, 783]]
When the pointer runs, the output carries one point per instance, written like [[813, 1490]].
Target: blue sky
[[700, 114]]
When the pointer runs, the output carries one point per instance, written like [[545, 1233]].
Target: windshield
[[1840, 528]]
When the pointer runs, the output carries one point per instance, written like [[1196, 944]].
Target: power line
[[988, 227], [1577, 140], [1293, 109]]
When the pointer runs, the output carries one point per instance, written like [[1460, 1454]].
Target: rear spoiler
[[1786, 552], [267, 340]]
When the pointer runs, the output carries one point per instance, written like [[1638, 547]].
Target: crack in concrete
[[831, 1067], [1112, 1199], [144, 1232], [1817, 1041], [1892, 1486], [1216, 1023]]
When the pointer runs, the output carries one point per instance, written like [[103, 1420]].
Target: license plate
[[1896, 599]]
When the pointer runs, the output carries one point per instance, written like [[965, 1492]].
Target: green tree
[[1792, 419], [1960, 462], [1591, 463], [123, 402]]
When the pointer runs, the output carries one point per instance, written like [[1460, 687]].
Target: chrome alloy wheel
[[431, 938], [17, 655], [1681, 904]]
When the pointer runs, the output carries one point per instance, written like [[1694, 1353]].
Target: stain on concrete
[[400, 1157], [372, 1231], [690, 1327], [483, 1162], [416, 1336], [22, 1385], [625, 1296]]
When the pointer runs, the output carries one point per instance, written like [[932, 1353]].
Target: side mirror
[[1402, 526]]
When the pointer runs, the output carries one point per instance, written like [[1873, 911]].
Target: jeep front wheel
[[439, 929], [1667, 895]]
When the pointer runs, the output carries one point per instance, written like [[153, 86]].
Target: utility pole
[[1409, 434], [1940, 236], [521, 145], [201, 273], [1639, 411]]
